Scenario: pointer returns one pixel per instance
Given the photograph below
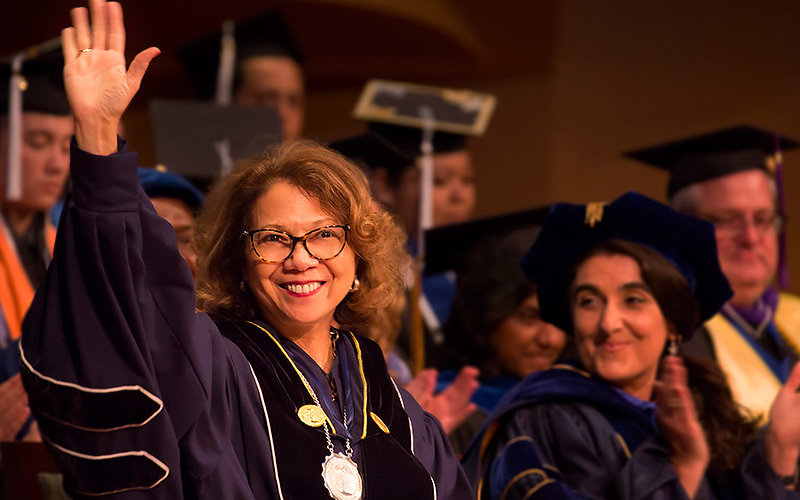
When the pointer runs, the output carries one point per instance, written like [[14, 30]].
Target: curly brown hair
[[342, 191]]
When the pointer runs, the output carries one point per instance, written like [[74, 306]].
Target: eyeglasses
[[274, 245], [736, 224]]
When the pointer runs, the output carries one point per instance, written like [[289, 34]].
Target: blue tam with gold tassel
[[571, 231]]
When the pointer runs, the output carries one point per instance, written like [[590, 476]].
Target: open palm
[[99, 86]]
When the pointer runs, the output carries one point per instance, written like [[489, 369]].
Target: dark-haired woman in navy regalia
[[267, 393], [631, 420]]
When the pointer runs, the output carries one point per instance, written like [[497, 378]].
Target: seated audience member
[[430, 125], [633, 419], [728, 177], [495, 324], [377, 157], [393, 154], [450, 406], [453, 178], [177, 201], [453, 201], [266, 72], [256, 386], [30, 184]]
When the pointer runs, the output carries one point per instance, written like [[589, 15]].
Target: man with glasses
[[730, 178]]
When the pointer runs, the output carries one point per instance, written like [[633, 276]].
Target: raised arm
[[99, 87], [122, 374]]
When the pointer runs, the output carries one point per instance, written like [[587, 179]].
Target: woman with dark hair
[[495, 323], [632, 420], [268, 392]]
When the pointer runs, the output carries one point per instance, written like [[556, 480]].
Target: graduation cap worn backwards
[[707, 156], [572, 231], [422, 120], [400, 112], [463, 112]]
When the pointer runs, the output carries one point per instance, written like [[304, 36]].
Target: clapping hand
[[451, 406], [99, 86], [782, 441], [680, 426]]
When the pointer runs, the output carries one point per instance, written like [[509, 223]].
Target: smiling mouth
[[302, 288], [613, 346]]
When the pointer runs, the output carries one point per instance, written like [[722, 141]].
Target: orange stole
[[16, 292]]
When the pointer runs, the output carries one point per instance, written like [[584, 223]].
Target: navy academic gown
[[138, 394], [561, 434]]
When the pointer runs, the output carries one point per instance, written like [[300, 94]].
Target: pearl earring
[[674, 345]]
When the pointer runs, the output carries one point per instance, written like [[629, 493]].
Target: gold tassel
[[770, 164], [594, 213]]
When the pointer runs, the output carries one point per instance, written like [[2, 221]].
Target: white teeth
[[303, 289]]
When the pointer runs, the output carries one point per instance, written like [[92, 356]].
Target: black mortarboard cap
[[707, 156], [30, 81], [195, 139], [418, 118], [42, 84], [571, 231], [370, 151], [409, 139], [157, 182], [448, 246], [490, 285], [266, 35]]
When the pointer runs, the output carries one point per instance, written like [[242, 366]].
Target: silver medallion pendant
[[341, 477]]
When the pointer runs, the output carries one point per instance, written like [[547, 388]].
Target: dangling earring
[[242, 286], [674, 345], [356, 285]]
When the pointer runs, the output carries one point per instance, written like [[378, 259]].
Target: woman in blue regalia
[[632, 420], [266, 393], [495, 324]]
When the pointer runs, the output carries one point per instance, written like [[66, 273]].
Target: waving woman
[[268, 393]]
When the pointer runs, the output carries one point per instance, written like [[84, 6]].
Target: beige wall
[[627, 74], [633, 73], [621, 75], [513, 160]]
